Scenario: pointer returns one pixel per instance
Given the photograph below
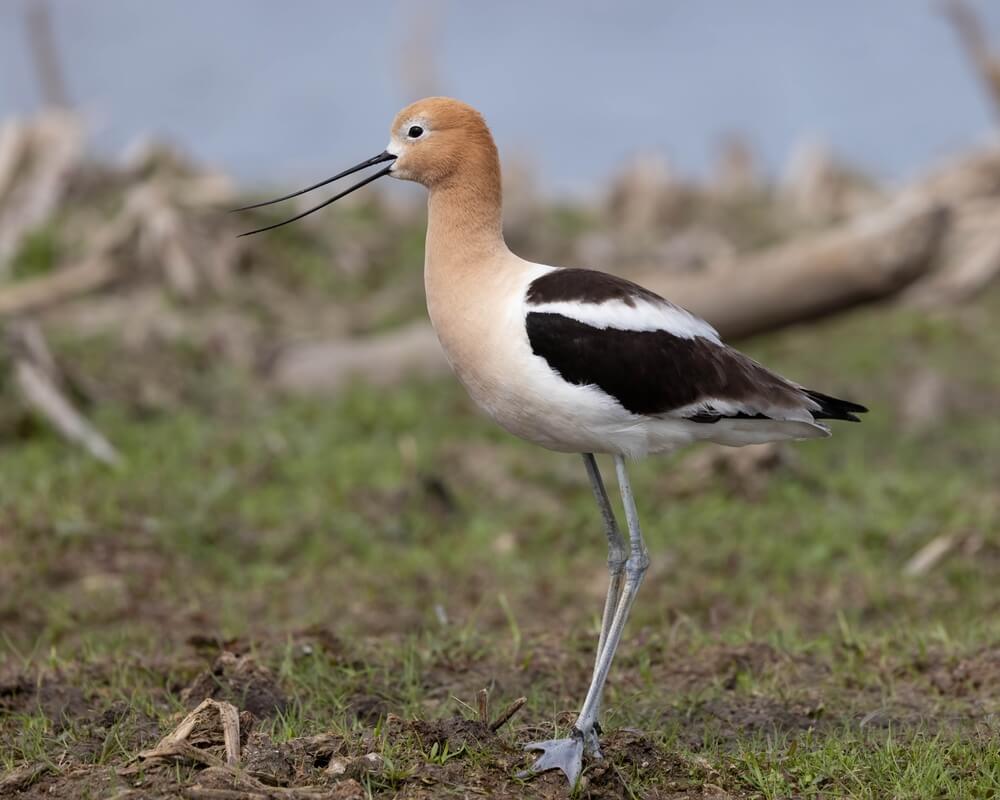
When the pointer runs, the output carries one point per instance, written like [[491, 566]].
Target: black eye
[[415, 132]]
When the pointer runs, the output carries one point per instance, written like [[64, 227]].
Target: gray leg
[[635, 569], [567, 754], [616, 551]]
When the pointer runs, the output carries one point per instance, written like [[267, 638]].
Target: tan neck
[[464, 217]]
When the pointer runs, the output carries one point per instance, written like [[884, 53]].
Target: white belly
[[482, 330], [492, 358]]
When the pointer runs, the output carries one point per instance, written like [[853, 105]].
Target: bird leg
[[567, 754], [616, 553]]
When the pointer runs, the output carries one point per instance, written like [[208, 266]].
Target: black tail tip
[[834, 407]]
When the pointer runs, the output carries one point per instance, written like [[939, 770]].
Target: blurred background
[[240, 469], [274, 95]]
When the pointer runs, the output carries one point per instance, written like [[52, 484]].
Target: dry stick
[[186, 750], [63, 284], [175, 743], [970, 32], [37, 163], [928, 556], [230, 732], [507, 713], [383, 359], [198, 792], [98, 269], [178, 734], [13, 153], [41, 393], [26, 336], [45, 54], [248, 786], [484, 706]]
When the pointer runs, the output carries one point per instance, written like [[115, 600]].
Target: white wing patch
[[642, 315], [751, 406]]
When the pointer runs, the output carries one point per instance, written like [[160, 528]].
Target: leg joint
[[616, 560], [637, 564]]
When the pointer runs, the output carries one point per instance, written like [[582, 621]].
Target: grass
[[38, 254], [387, 554]]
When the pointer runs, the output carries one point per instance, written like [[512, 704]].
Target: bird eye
[[415, 132]]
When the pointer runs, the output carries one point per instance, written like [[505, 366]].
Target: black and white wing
[[655, 358]]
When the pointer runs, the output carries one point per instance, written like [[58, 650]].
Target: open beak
[[380, 158]]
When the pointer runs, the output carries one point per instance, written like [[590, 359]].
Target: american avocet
[[573, 360]]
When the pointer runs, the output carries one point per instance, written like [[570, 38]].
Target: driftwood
[[383, 360], [970, 32], [98, 268], [970, 258], [175, 745], [213, 726], [45, 55], [35, 295], [36, 164], [867, 260], [36, 377], [44, 397]]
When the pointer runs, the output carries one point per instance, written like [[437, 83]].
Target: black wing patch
[[587, 286], [656, 372], [834, 407], [651, 372]]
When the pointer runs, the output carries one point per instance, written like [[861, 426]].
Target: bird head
[[438, 142]]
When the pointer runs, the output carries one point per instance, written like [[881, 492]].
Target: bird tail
[[834, 407]]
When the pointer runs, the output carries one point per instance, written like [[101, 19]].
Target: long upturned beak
[[381, 157]]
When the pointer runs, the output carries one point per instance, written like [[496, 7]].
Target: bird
[[573, 360]]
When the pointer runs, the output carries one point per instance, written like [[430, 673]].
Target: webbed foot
[[562, 754]]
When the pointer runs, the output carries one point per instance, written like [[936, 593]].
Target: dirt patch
[[630, 753], [455, 733], [368, 708], [56, 698], [977, 674], [731, 719], [240, 680], [715, 693], [74, 783]]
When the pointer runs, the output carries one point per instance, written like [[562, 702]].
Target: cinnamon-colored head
[[439, 140]]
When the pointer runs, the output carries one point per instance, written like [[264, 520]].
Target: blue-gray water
[[290, 91]]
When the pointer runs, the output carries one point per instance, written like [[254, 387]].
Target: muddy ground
[[345, 576]]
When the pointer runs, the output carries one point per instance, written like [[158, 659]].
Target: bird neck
[[465, 217]]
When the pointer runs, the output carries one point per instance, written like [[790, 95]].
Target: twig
[[198, 792], [34, 295], [42, 394], [924, 560], [37, 163], [184, 750], [230, 732], [483, 699], [45, 54], [96, 270], [175, 744], [970, 32], [507, 713], [247, 786]]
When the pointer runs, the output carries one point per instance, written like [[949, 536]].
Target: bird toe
[[562, 754]]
